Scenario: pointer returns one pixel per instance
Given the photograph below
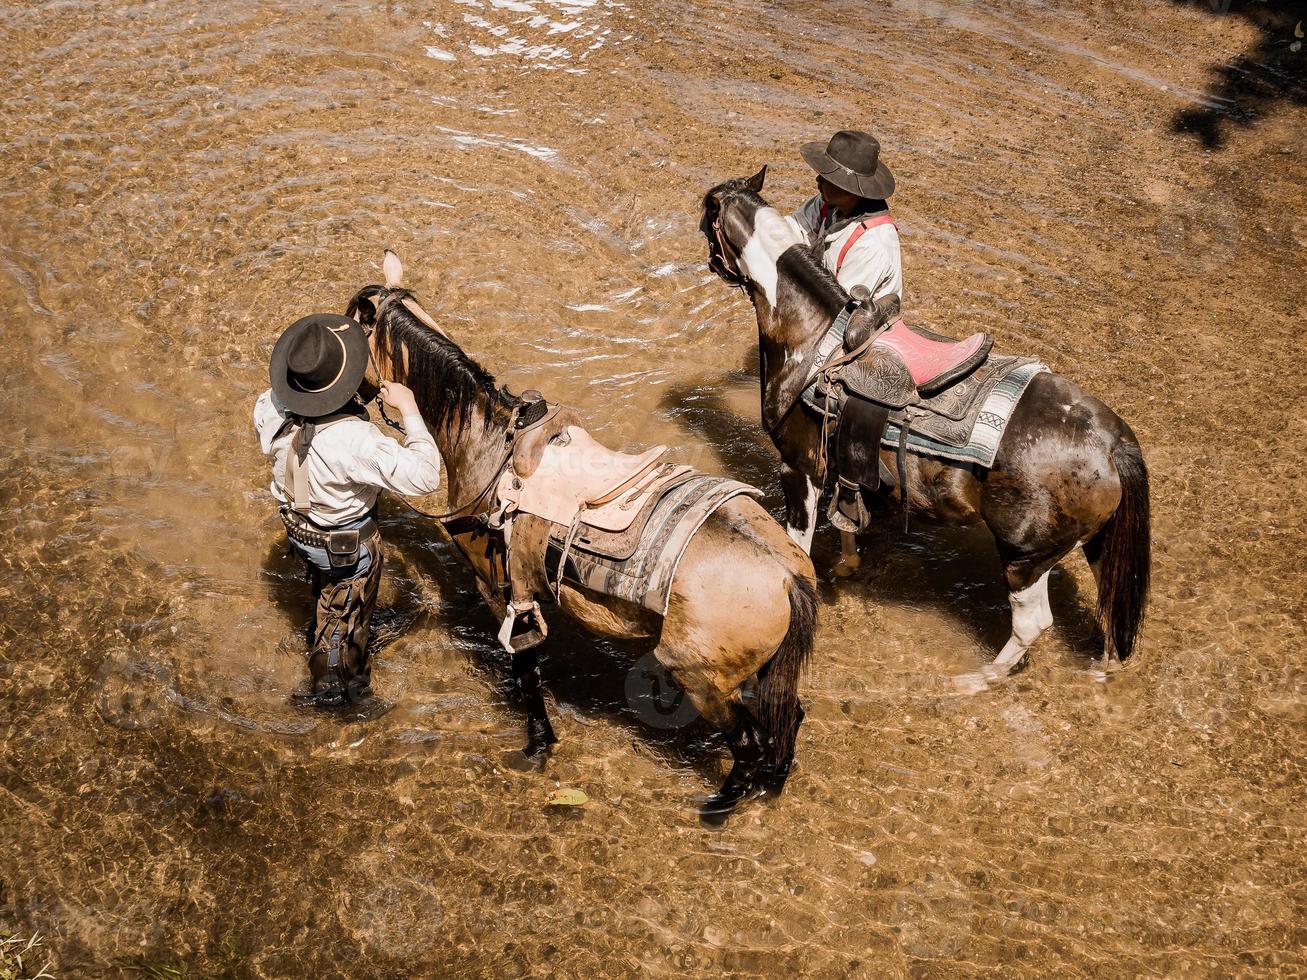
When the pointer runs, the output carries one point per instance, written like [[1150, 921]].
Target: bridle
[[722, 259]]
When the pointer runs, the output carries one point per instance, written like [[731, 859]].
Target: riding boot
[[742, 781]]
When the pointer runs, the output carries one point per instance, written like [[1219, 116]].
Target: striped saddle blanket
[[641, 569], [967, 421]]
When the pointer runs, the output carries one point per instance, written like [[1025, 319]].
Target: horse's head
[[408, 346], [371, 306], [727, 223]]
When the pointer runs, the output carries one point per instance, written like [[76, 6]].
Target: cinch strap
[[858, 232]]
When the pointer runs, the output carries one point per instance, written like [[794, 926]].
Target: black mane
[[446, 382]]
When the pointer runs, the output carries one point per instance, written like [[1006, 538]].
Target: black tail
[[778, 695], [1121, 549]]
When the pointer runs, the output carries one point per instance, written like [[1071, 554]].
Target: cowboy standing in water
[[848, 222], [329, 465]]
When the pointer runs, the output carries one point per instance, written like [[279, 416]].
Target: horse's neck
[[791, 324], [471, 456], [771, 237]]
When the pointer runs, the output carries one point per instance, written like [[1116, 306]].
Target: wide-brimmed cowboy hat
[[318, 364], [851, 161]]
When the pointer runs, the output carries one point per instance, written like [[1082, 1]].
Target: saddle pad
[[975, 438], [646, 577], [621, 542], [831, 341]]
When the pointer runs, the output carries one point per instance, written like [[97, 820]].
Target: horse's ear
[[392, 269], [363, 309], [754, 183]]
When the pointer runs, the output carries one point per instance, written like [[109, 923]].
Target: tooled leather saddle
[[872, 366], [562, 483]]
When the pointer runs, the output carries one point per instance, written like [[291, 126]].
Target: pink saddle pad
[[927, 359]]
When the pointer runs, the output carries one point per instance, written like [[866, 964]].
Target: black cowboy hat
[[318, 364], [851, 161]]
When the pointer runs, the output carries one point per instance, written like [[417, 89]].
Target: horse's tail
[[1121, 551], [778, 694]]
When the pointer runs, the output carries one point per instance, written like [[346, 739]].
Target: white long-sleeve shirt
[[349, 462], [874, 260]]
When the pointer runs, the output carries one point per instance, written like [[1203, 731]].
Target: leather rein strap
[[526, 416], [841, 319]]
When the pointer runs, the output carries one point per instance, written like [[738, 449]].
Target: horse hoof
[[539, 737], [722, 803], [846, 566], [972, 682]]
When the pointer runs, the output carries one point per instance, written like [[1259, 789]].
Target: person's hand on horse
[[399, 397]]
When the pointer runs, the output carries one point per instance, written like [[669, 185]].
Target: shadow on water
[[746, 453], [1248, 87], [955, 571], [586, 675]]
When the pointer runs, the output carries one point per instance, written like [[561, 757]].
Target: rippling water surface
[[181, 179]]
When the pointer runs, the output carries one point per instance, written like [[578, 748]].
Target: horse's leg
[[526, 672], [1031, 615], [743, 603], [801, 497], [850, 561]]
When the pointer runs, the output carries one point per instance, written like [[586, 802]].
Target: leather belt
[[342, 544]]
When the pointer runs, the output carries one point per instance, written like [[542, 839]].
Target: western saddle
[[873, 367], [560, 483]]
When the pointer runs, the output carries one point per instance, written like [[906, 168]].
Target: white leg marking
[[1031, 615], [804, 538]]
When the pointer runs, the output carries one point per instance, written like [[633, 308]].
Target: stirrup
[[848, 510], [533, 628]]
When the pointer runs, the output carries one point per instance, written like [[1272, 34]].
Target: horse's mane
[[446, 382]]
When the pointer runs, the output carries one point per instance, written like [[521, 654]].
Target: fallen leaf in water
[[567, 797]]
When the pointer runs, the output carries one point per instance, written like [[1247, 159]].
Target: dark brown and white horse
[[1068, 473], [743, 602]]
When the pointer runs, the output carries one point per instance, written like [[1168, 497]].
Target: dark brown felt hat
[[318, 364], [851, 161]]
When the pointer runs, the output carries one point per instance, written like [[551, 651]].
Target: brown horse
[[1068, 471], [743, 602]]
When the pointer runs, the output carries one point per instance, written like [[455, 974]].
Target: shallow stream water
[[180, 180]]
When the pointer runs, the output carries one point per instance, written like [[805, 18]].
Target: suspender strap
[[296, 483], [858, 232]]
